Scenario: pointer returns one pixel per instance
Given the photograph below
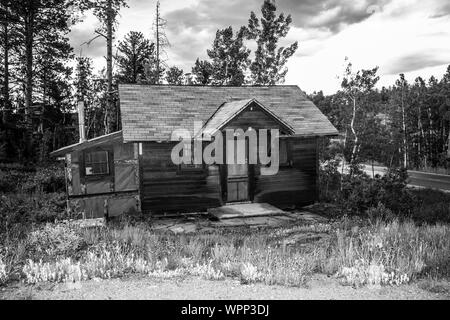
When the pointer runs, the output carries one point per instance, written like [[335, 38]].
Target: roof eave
[[86, 144]]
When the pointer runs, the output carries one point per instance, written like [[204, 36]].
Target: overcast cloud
[[399, 36]]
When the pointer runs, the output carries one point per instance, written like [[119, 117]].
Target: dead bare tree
[[161, 42]]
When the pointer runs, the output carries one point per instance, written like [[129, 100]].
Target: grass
[[379, 249], [382, 249], [359, 252]]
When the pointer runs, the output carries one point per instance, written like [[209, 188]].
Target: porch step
[[243, 210]]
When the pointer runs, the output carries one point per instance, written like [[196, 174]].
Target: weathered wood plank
[[165, 188]]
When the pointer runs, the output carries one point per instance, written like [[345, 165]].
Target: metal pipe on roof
[[81, 127]]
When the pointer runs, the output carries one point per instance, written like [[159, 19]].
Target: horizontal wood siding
[[294, 185], [256, 118], [165, 189]]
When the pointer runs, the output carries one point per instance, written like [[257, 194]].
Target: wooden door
[[237, 179]]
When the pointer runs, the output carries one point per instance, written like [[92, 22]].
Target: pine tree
[[84, 91], [203, 71], [269, 64], [444, 112], [42, 26], [175, 76], [229, 58], [134, 53], [107, 11], [52, 91], [8, 56]]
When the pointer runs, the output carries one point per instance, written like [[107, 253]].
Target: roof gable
[[230, 110], [153, 112]]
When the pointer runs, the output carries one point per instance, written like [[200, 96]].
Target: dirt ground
[[136, 288]]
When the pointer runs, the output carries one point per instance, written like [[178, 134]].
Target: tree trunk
[[29, 39], [157, 43], [430, 137], [352, 126], [109, 34], [419, 146], [7, 102], [405, 146], [343, 158]]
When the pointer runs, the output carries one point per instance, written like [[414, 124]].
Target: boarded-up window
[[96, 163]]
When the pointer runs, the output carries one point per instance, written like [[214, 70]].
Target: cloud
[[412, 62], [327, 14], [401, 36], [191, 29], [206, 15], [332, 15], [443, 10], [313, 21]]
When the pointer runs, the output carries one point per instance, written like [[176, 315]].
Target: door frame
[[224, 178]]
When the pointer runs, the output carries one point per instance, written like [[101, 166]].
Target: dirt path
[[320, 287]]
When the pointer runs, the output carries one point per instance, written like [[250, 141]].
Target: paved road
[[419, 179]]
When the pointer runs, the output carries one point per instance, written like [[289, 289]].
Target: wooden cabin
[[131, 171]]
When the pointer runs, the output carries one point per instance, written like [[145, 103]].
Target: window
[[96, 163]]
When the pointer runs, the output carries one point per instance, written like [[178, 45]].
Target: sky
[[398, 36]]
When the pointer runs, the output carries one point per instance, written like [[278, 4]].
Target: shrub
[[105, 261], [53, 241], [360, 192], [47, 179], [208, 272], [64, 270], [42, 179], [19, 211], [431, 206], [373, 274], [329, 180], [249, 273], [360, 195], [3, 275], [380, 212], [12, 179]]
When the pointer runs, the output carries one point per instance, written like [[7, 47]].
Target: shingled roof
[[152, 112]]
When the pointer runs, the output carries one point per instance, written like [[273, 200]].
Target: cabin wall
[[167, 189], [293, 185], [256, 118], [110, 195]]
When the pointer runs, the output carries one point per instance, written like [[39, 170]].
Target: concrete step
[[243, 210]]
